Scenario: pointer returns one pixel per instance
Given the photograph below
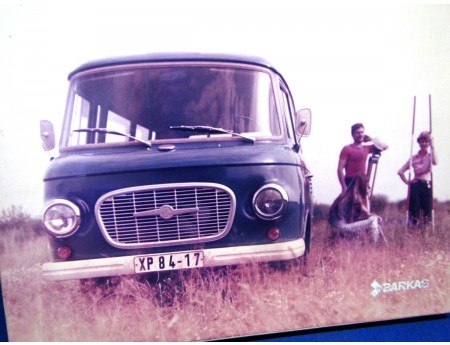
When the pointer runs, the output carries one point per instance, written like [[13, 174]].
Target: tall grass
[[236, 301]]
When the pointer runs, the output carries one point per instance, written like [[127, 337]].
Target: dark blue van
[[176, 161]]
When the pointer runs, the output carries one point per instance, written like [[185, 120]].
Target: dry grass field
[[334, 289]]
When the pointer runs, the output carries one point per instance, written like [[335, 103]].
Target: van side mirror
[[303, 122], [47, 135]]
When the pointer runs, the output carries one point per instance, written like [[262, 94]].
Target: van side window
[[117, 123], [287, 111], [80, 119]]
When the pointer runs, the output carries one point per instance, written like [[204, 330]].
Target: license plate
[[167, 262]]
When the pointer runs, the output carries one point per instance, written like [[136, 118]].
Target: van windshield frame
[[146, 100]]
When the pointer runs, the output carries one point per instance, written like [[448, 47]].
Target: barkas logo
[[398, 286]]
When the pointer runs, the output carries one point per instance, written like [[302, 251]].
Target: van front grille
[[163, 215]]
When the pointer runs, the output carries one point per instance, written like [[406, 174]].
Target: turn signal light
[[64, 252], [273, 234]]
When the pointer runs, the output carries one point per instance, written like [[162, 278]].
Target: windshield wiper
[[108, 131], [212, 130]]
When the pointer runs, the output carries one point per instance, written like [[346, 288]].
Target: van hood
[[92, 162]]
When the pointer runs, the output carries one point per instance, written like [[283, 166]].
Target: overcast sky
[[347, 63]]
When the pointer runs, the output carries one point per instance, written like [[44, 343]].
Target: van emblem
[[166, 212]]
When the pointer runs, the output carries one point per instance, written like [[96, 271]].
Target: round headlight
[[270, 201], [61, 218]]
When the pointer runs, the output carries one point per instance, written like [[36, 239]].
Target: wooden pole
[[410, 163], [431, 165]]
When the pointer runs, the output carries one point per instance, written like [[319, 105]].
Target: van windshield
[[144, 102]]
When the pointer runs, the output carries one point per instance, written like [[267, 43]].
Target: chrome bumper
[[124, 265]]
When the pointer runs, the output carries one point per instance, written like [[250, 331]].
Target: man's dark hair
[[356, 126]]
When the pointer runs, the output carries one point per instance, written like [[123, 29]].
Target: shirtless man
[[353, 157]]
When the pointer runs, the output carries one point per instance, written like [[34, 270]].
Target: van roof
[[172, 57]]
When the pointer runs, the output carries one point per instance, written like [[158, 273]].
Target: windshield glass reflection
[[145, 102]]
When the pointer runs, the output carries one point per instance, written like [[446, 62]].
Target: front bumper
[[124, 265]]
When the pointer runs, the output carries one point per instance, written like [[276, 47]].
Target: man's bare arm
[[340, 173]]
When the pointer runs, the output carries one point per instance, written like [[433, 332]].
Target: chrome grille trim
[[166, 214]]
